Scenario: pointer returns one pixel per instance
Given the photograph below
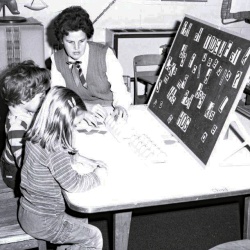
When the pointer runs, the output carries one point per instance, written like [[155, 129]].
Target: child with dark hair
[[90, 69], [23, 88], [47, 171]]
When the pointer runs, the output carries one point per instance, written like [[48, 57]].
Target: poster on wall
[[200, 84]]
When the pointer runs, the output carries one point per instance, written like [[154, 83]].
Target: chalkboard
[[200, 84]]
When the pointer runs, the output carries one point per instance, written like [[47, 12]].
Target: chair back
[[145, 65], [130, 88]]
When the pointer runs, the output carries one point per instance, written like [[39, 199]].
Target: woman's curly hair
[[73, 18]]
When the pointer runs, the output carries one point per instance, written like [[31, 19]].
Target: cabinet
[[19, 42], [22, 41], [128, 43]]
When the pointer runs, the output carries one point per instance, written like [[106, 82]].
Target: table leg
[[121, 230], [246, 229]]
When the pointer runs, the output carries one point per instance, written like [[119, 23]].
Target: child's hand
[[87, 161], [84, 160], [99, 112], [85, 165], [101, 171]]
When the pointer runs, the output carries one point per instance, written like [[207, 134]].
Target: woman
[[96, 63]]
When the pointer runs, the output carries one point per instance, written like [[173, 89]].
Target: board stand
[[224, 155]]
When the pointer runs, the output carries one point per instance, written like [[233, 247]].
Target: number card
[[200, 84]]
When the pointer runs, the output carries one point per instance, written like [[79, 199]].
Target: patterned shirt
[[17, 123], [45, 175]]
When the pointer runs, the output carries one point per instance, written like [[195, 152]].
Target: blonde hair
[[54, 123]]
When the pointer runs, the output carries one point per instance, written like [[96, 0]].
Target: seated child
[[47, 172], [23, 87]]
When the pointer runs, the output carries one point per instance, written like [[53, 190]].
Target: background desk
[[133, 183]]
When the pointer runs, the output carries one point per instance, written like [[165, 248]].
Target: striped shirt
[[45, 175], [17, 123]]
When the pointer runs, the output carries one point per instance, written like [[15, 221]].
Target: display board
[[200, 84]]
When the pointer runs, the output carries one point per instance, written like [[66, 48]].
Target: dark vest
[[98, 90]]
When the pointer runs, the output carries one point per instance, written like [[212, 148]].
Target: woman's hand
[[99, 112], [120, 112]]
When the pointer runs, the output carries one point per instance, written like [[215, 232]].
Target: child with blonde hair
[[47, 171]]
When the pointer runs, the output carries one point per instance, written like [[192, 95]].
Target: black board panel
[[200, 84]]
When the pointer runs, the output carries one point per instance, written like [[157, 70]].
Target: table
[[181, 179]]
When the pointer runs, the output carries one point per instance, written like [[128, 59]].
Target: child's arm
[[69, 179], [97, 166], [15, 139], [101, 172], [78, 158]]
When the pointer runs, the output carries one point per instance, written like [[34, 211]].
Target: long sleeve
[[45, 175], [69, 179], [17, 123], [56, 77], [15, 137], [121, 97]]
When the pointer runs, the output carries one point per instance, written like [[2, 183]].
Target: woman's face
[[75, 44]]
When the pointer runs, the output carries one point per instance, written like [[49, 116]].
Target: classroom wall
[[130, 14]]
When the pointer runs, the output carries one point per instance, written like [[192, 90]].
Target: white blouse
[[121, 97]]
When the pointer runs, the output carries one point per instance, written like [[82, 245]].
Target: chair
[[232, 17], [146, 66], [127, 82], [12, 237]]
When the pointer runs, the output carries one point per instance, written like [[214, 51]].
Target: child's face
[[80, 116], [34, 103], [75, 44]]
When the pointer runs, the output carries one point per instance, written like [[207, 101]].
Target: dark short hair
[[73, 18], [22, 81]]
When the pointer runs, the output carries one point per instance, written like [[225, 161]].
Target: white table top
[[134, 182]]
